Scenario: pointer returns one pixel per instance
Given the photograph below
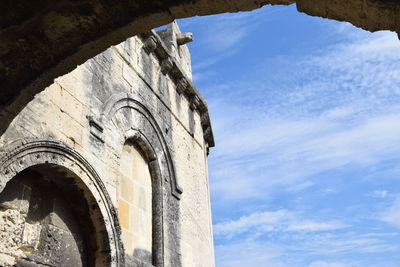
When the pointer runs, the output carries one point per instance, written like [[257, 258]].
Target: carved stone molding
[[166, 65], [142, 129], [194, 102], [184, 86], [22, 154], [205, 118], [181, 85], [152, 132], [150, 44]]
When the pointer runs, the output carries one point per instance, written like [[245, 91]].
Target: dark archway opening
[[49, 219]]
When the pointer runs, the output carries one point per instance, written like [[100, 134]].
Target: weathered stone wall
[[139, 91]]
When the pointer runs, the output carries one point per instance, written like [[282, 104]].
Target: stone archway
[[41, 41], [132, 122], [76, 214], [42, 223]]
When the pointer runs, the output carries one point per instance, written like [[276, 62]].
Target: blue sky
[[306, 117]]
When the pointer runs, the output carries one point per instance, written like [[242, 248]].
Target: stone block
[[6, 260], [15, 196], [126, 188], [123, 213], [127, 238], [31, 236]]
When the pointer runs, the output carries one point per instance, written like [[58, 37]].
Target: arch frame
[[128, 100], [22, 154], [137, 137], [144, 131]]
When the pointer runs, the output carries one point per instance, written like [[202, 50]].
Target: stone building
[[77, 155], [107, 166]]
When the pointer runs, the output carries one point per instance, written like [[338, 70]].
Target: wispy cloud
[[268, 221], [380, 193], [307, 140], [286, 153], [249, 253], [324, 248], [222, 36], [333, 264], [282, 132], [311, 125]]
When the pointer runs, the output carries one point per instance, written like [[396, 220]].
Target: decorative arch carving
[[151, 135], [21, 155]]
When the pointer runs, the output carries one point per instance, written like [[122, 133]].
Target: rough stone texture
[[80, 126], [371, 15], [29, 231], [41, 40], [73, 174]]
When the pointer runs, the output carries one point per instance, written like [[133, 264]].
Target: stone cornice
[[184, 86]]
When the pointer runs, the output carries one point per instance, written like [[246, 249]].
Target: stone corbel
[[150, 44], [182, 85], [194, 102], [184, 38], [207, 133], [205, 120], [166, 65]]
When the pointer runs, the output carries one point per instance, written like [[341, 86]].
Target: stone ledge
[[184, 86]]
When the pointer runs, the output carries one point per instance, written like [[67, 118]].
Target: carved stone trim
[[181, 85], [195, 102], [140, 139], [178, 75], [127, 100], [205, 118], [208, 135], [166, 65], [21, 155], [151, 140]]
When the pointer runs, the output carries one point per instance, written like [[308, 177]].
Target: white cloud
[[280, 220], [247, 222], [311, 226], [222, 36], [249, 253], [338, 107], [380, 193], [345, 243], [332, 264], [295, 250], [272, 154], [280, 129], [223, 33]]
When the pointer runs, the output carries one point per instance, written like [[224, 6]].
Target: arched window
[[135, 203]]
